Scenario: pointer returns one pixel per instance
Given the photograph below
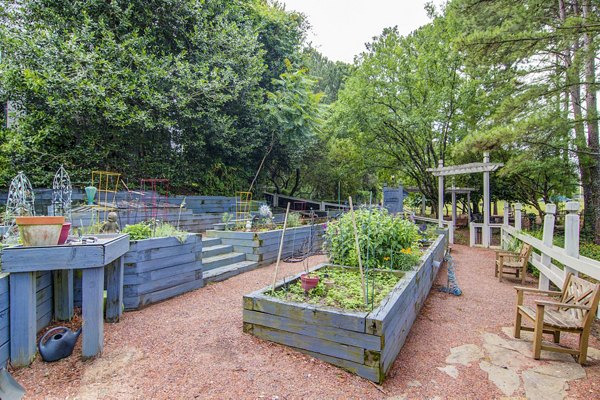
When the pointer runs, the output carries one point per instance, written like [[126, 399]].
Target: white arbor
[[484, 167]]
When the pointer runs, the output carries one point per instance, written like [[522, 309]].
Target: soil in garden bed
[[344, 290]]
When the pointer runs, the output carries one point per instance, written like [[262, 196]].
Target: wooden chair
[[513, 263], [574, 312]]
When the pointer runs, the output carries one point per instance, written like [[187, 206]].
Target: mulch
[[192, 346]]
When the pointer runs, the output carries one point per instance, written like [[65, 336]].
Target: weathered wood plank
[[316, 345], [116, 249], [302, 311], [152, 265], [159, 274], [3, 283], [153, 243], [93, 297], [114, 290], [17, 260], [4, 354], [148, 287], [63, 294], [22, 318], [135, 256], [352, 338], [159, 295]]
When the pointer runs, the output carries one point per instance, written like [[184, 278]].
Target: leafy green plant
[[226, 219], [147, 230], [294, 219], [346, 291], [385, 241], [138, 231]]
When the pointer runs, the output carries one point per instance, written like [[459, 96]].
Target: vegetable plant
[[386, 241]]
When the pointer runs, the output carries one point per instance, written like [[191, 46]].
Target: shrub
[[294, 219], [385, 241], [152, 229]]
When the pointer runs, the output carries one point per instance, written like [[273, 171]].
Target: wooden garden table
[[93, 259]]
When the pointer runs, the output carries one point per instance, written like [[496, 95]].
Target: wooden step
[[211, 251], [228, 271], [221, 260]]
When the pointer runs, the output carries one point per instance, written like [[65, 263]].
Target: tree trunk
[[592, 125], [583, 159]]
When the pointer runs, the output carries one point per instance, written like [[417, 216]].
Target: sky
[[340, 28]]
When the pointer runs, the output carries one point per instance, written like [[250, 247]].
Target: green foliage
[[153, 229], [346, 292], [294, 219], [138, 231], [173, 89], [226, 219], [385, 241], [590, 250]]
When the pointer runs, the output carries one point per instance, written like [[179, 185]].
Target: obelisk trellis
[[484, 167]]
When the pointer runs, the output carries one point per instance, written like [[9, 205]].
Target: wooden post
[[114, 290], [287, 211], [469, 205], [505, 216], [518, 216], [63, 294], [22, 318], [453, 207], [547, 239], [423, 205], [485, 236], [92, 293], [441, 196], [322, 206], [362, 274], [571, 234]]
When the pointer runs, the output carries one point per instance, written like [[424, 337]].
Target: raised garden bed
[[159, 268], [262, 247], [363, 342]]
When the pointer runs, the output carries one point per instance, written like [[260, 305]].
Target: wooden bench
[[574, 312], [513, 263]]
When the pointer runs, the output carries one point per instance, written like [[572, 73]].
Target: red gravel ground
[[193, 346]]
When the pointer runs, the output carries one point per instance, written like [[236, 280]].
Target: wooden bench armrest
[[506, 253], [538, 291], [557, 304]]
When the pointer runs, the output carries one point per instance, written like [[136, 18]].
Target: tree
[[542, 55], [407, 103]]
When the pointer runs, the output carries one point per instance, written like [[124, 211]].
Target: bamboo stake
[[362, 275], [280, 246]]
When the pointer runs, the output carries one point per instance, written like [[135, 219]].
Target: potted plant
[[40, 230]]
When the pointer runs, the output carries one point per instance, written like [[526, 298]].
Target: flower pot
[[40, 231], [308, 282], [64, 233], [328, 282]]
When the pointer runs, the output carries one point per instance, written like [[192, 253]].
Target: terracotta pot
[[40, 231], [308, 282], [64, 233]]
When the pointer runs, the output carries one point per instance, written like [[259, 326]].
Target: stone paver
[[505, 379], [543, 387], [465, 354], [450, 370]]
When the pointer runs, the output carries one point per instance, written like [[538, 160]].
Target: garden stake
[[287, 211], [362, 275]]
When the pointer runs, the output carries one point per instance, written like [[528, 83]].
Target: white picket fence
[[568, 256]]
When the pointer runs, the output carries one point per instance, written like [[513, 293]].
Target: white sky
[[340, 28]]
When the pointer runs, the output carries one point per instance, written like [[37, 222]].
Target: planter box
[[160, 268], [365, 343], [262, 247]]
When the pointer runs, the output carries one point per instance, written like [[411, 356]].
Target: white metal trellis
[[61, 193], [20, 201]]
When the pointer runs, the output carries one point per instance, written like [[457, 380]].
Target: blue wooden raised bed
[[262, 247], [365, 343], [160, 268]]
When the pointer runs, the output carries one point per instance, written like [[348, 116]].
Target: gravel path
[[193, 346]]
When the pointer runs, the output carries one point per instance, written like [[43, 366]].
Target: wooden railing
[[568, 257]]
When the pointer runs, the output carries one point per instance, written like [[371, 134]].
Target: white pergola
[[484, 167]]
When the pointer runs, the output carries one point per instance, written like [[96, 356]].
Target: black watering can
[[58, 343]]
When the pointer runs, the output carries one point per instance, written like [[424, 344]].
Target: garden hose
[[452, 285]]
